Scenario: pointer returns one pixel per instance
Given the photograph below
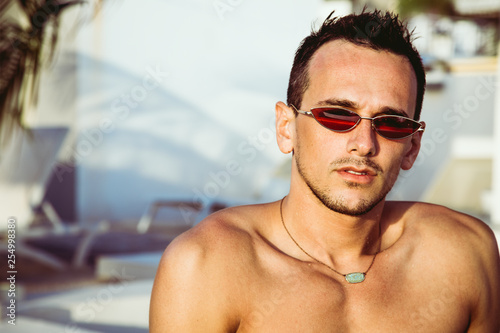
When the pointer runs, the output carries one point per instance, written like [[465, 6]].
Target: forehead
[[370, 78]]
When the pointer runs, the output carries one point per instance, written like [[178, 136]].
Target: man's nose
[[363, 139]]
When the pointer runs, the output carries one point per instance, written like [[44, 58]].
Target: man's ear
[[412, 152], [285, 127]]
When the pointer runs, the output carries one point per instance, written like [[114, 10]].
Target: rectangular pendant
[[355, 277]]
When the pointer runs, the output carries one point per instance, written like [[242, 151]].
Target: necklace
[[354, 277]]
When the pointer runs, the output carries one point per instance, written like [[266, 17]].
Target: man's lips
[[357, 171], [359, 175]]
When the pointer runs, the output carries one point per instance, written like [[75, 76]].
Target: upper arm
[[484, 317], [187, 294], [466, 250]]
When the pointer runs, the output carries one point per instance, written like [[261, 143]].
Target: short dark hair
[[375, 30]]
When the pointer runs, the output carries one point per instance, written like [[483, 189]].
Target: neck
[[341, 241]]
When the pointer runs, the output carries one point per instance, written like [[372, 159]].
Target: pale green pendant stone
[[355, 277]]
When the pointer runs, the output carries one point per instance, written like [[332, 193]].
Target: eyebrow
[[386, 110]]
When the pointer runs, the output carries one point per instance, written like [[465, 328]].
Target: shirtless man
[[334, 255]]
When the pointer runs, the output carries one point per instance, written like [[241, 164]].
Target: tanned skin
[[238, 270]]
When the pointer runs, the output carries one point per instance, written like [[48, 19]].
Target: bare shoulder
[[225, 234], [458, 248], [197, 283], [448, 238], [449, 226], [452, 234]]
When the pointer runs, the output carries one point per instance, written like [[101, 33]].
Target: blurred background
[[147, 116]]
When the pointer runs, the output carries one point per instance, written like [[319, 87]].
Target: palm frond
[[27, 27]]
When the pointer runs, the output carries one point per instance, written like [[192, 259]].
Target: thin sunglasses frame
[[310, 113]]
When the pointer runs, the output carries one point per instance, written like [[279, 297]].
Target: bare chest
[[389, 300]]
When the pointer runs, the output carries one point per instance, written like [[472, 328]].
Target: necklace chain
[[313, 258]]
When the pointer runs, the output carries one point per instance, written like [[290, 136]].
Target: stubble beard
[[339, 203]]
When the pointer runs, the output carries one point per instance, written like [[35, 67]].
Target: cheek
[[315, 149], [395, 158], [321, 149], [307, 140], [307, 154], [395, 169]]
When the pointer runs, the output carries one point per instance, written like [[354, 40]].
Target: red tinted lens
[[336, 119], [394, 127]]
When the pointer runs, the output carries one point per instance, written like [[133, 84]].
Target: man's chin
[[351, 206], [356, 211]]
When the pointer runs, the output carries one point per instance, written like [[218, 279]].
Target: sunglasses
[[339, 119]]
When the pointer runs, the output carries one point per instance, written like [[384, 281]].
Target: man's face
[[352, 172]]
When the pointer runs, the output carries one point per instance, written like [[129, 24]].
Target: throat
[[352, 277]]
